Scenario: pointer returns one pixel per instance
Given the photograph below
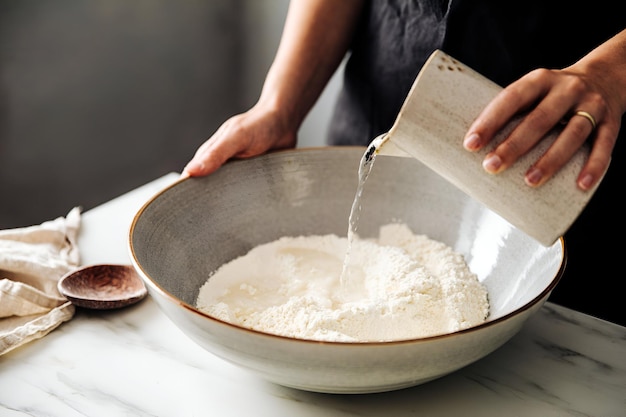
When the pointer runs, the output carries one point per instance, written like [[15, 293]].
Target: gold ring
[[588, 117]]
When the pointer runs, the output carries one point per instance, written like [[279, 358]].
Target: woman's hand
[[315, 39], [242, 136], [588, 98]]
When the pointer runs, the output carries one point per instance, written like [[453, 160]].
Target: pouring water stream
[[365, 168]]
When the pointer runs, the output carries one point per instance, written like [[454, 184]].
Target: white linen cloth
[[32, 260]]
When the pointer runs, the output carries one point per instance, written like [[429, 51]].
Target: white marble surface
[[135, 362]]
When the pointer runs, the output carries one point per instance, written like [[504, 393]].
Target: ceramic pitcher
[[443, 102]]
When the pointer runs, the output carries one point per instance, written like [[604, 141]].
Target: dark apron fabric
[[501, 41]]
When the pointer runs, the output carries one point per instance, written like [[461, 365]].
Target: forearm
[[315, 39], [607, 65]]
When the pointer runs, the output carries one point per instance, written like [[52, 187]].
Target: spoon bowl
[[103, 287]]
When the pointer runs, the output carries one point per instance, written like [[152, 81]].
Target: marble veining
[[135, 362]]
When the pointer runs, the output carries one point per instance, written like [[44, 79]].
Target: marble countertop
[[135, 362]]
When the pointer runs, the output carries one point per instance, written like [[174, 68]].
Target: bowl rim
[[175, 300]]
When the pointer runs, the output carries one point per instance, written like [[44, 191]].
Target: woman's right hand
[[315, 39], [248, 134]]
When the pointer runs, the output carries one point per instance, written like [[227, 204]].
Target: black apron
[[395, 37]]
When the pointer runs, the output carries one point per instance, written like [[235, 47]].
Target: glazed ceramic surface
[[444, 100], [191, 228]]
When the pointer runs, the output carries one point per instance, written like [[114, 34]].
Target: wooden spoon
[[103, 286]]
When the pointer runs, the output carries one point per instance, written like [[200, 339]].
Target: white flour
[[400, 286]]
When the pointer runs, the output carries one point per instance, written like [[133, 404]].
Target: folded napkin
[[32, 260]]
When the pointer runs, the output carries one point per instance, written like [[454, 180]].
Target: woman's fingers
[[242, 136], [546, 99]]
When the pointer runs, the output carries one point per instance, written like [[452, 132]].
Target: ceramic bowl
[[188, 230]]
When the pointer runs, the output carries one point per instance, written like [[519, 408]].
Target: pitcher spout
[[385, 146]]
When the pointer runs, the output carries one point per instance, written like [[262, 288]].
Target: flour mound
[[399, 286]]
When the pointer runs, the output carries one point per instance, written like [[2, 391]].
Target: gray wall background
[[100, 97]]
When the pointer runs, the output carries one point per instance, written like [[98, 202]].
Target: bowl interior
[[190, 229]]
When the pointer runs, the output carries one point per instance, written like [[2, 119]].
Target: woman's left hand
[[586, 98]]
